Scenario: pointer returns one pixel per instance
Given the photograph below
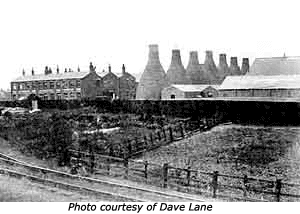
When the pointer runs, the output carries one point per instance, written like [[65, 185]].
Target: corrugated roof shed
[[53, 76], [275, 66], [192, 88], [261, 82]]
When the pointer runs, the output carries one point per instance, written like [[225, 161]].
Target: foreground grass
[[22, 190], [267, 152]]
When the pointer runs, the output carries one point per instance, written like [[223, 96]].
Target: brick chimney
[[211, 68], [46, 70], [109, 68], [23, 72], [123, 69], [234, 68], [223, 69], [78, 69], [153, 79], [92, 68], [176, 73], [57, 69], [32, 72], [245, 66], [194, 72]]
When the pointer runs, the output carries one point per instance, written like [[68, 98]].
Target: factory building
[[275, 66], [154, 79], [272, 86], [179, 92], [69, 85]]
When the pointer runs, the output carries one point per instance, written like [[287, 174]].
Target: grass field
[[22, 190], [265, 152]]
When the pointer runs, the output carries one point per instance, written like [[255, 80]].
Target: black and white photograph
[[168, 101]]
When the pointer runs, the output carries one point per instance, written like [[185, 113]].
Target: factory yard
[[267, 152]]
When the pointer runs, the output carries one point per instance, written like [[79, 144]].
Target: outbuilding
[[189, 91]]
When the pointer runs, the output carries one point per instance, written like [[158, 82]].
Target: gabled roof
[[103, 74], [53, 76], [192, 88], [261, 82], [275, 66]]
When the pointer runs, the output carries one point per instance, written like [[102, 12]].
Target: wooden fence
[[150, 141], [208, 184]]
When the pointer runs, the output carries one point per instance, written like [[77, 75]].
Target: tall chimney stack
[[109, 68], [245, 66], [23, 72], [46, 70], [57, 69], [210, 67], [123, 69], [234, 68], [176, 72], [32, 72], [223, 69], [153, 79]]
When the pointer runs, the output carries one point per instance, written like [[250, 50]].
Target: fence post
[[146, 169], [164, 133], [145, 142], [159, 136], [278, 189], [92, 160], [129, 147], [188, 175], [151, 139], [214, 183], [246, 185], [165, 175], [171, 134], [126, 167], [181, 130]]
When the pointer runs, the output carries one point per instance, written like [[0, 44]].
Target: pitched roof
[[275, 66], [192, 88], [261, 82], [53, 76]]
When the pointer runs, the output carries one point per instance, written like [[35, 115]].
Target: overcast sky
[[36, 33]]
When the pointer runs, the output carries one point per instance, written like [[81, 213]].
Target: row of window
[[59, 96], [46, 85]]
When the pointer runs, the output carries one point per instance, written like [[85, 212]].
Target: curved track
[[101, 188]]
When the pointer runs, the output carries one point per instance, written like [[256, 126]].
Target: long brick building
[[78, 84]]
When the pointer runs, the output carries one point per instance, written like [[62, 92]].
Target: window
[[15, 86], [33, 86], [58, 96], [45, 85], [64, 84], [78, 95], [78, 84], [45, 97], [58, 84], [66, 96], [52, 83], [52, 97], [21, 86], [72, 83], [172, 96], [27, 85]]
